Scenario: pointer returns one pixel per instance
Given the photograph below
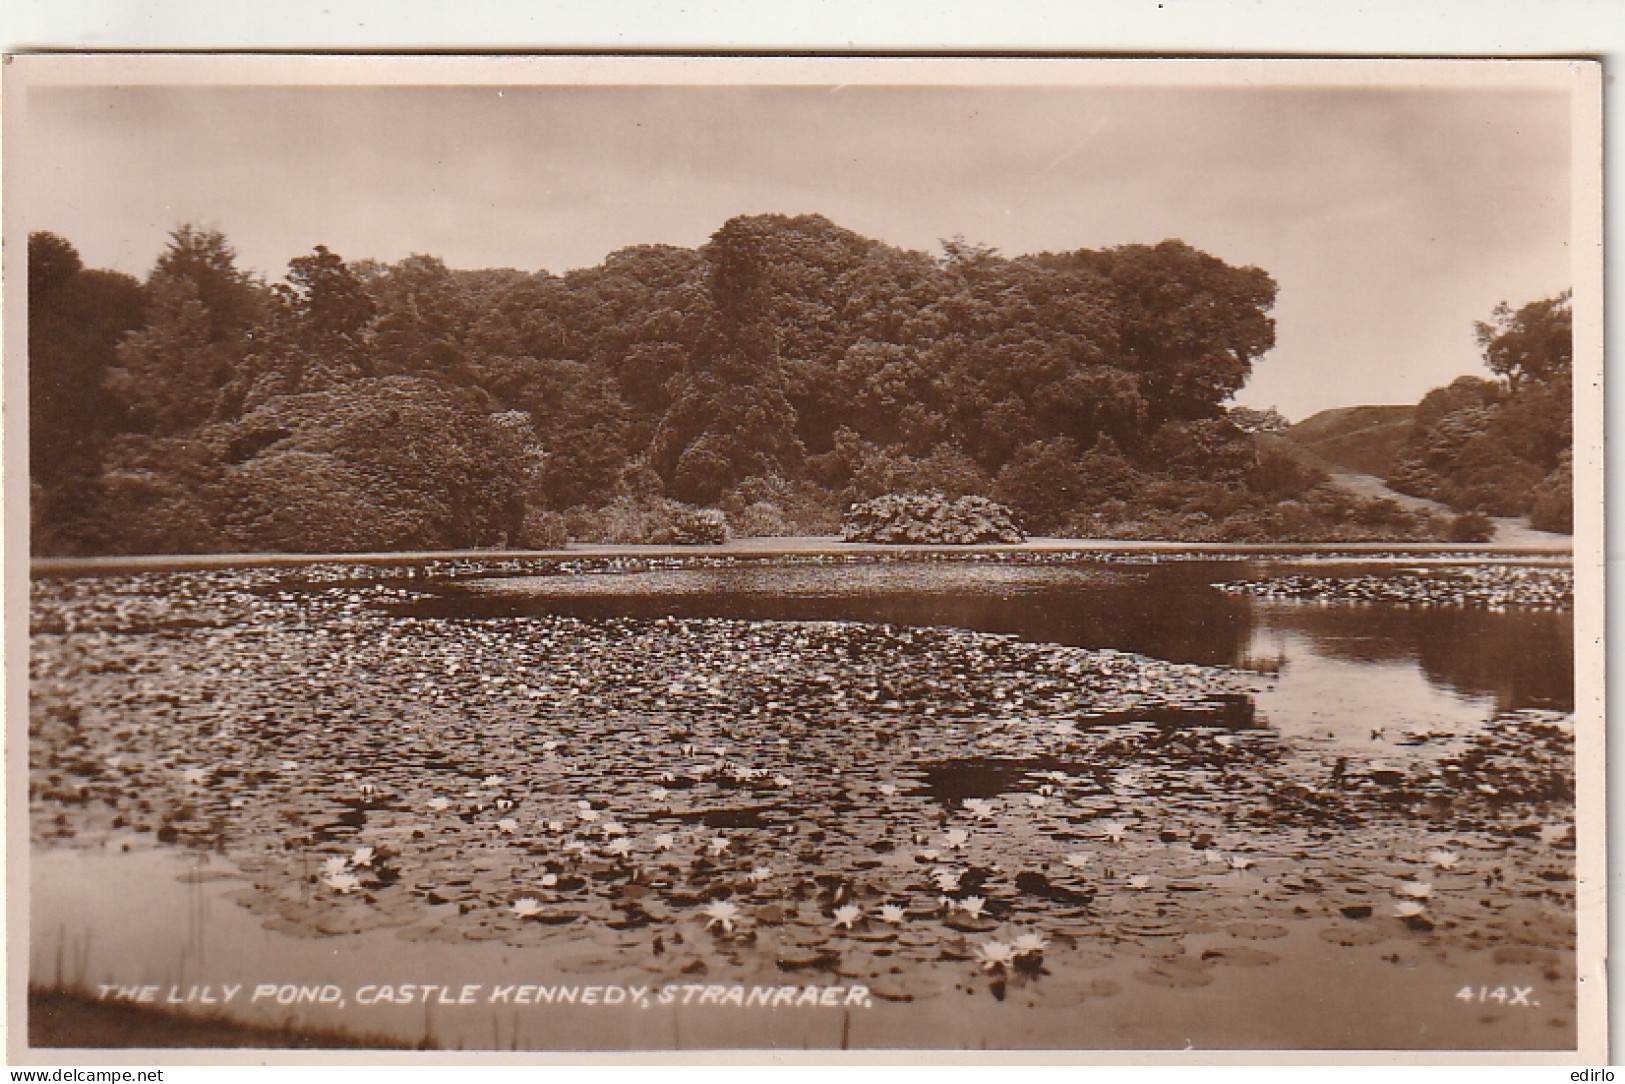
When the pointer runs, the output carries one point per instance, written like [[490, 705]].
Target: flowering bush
[[688, 526], [930, 518]]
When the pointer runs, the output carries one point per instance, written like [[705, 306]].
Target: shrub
[[1471, 527], [687, 526], [657, 522], [1554, 500], [544, 530], [930, 519], [764, 519]]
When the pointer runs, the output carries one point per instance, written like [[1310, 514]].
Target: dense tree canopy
[[789, 366]]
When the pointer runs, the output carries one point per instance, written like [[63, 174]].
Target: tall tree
[[1534, 344], [76, 318], [181, 368]]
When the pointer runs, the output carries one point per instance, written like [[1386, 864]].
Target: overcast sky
[[1391, 219]]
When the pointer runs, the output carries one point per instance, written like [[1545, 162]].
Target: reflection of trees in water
[[1523, 659]]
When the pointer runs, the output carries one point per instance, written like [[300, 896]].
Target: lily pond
[[1001, 800]]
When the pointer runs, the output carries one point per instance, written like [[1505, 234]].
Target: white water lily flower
[[195, 775], [613, 828], [508, 826], [891, 913], [847, 915], [491, 781], [1113, 830], [1036, 801], [717, 846], [555, 826], [660, 794], [361, 857], [343, 882], [1408, 909], [760, 874], [781, 781], [439, 805], [1213, 856], [1030, 944], [1443, 859], [334, 866], [1139, 881], [527, 906], [290, 765], [947, 879], [664, 841], [995, 954], [1420, 890], [1079, 859], [888, 789], [956, 838], [931, 854], [978, 807], [723, 913], [549, 880], [972, 906], [620, 848], [1238, 862], [588, 815]]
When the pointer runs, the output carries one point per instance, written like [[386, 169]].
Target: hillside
[[1360, 438]]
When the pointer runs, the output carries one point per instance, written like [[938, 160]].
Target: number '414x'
[[1519, 995]]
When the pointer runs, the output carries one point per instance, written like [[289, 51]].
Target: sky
[[1391, 217]]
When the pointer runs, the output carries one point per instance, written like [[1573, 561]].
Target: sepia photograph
[[695, 555]]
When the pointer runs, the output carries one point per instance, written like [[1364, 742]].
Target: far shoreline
[[1561, 546]]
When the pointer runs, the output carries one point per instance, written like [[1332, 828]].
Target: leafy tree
[[1190, 325], [1533, 344], [1043, 482], [185, 366], [316, 337], [421, 314], [76, 318]]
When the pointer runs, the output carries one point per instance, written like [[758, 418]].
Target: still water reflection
[[1347, 669]]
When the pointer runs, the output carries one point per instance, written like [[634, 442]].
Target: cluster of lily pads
[[869, 799], [1494, 587]]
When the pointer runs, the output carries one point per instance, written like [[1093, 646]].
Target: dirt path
[[1510, 531]]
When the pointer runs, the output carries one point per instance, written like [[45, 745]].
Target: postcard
[[651, 556]]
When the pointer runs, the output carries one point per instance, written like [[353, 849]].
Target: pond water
[[1336, 671], [888, 774]]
